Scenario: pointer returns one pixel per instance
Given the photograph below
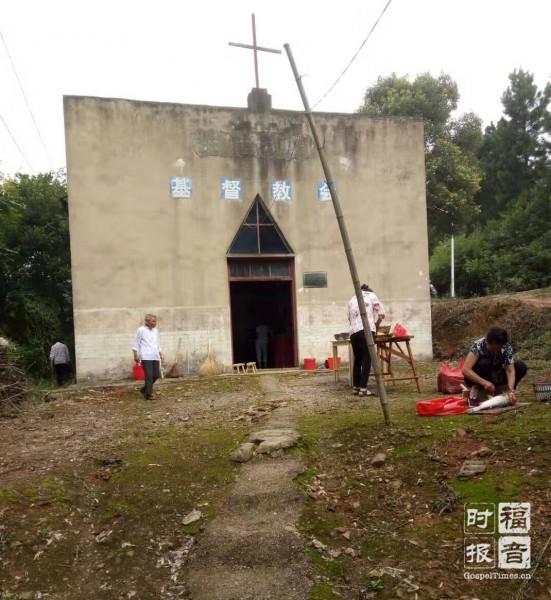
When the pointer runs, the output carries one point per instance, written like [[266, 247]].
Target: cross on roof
[[255, 49]]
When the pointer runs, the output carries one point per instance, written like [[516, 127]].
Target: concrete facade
[[135, 249]]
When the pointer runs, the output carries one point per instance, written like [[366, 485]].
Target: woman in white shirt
[[362, 360]]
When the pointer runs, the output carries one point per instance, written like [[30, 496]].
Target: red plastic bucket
[[329, 363], [309, 364], [137, 372]]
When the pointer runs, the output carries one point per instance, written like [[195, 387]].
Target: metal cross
[[255, 49]]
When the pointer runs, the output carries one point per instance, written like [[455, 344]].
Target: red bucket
[[137, 372], [309, 364], [329, 363]]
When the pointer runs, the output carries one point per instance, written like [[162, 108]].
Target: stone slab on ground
[[471, 468], [268, 434], [244, 453], [276, 443]]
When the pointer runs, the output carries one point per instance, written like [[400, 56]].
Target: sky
[[177, 51]]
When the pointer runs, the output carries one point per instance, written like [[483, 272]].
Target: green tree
[[474, 265], [466, 132], [35, 279], [517, 151], [453, 174], [429, 98], [508, 254]]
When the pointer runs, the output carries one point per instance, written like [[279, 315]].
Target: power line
[[26, 100], [353, 57], [16, 144]]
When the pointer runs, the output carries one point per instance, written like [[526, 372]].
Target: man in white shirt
[[60, 360], [362, 360], [147, 350]]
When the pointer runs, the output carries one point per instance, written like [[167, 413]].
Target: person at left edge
[[61, 361], [147, 350]]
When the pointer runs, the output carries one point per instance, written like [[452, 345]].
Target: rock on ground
[[276, 443], [471, 468], [267, 434], [379, 459], [243, 453]]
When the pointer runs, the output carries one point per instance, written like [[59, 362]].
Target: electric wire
[[15, 143], [354, 56], [12, 64]]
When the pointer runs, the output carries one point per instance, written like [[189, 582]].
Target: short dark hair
[[365, 287], [497, 335]]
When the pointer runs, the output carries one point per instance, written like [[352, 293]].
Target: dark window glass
[[239, 269], [251, 217], [259, 224], [316, 279], [271, 242], [262, 215], [259, 269], [279, 269], [245, 242]]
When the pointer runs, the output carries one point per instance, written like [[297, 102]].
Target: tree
[[35, 279], [429, 98], [472, 252], [466, 132], [508, 254], [517, 151], [452, 171]]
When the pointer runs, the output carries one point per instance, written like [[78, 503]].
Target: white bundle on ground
[[494, 402], [210, 366]]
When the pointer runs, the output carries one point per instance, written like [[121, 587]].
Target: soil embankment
[[526, 316]]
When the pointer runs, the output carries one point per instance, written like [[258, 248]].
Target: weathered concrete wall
[[135, 249]]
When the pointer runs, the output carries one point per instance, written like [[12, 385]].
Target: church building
[[219, 220]]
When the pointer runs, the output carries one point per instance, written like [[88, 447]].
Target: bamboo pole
[[345, 240]]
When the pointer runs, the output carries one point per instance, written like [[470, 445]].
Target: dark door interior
[[267, 303]]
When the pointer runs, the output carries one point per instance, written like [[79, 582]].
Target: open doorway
[[263, 311], [261, 274]]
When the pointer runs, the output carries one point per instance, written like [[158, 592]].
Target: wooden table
[[335, 345], [389, 346]]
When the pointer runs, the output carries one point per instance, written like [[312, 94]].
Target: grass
[[322, 591], [410, 512], [139, 509]]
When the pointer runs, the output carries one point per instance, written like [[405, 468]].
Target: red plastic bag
[[442, 407], [400, 331], [450, 378]]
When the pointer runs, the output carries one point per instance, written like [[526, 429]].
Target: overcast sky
[[177, 51]]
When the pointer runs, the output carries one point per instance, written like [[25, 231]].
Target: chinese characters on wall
[[180, 187], [232, 189]]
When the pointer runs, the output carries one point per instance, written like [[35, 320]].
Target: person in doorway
[[147, 350], [60, 360], [261, 343], [362, 360], [490, 366]]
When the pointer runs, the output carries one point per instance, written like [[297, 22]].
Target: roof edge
[[239, 109]]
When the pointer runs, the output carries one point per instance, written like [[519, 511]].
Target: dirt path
[[252, 549]]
